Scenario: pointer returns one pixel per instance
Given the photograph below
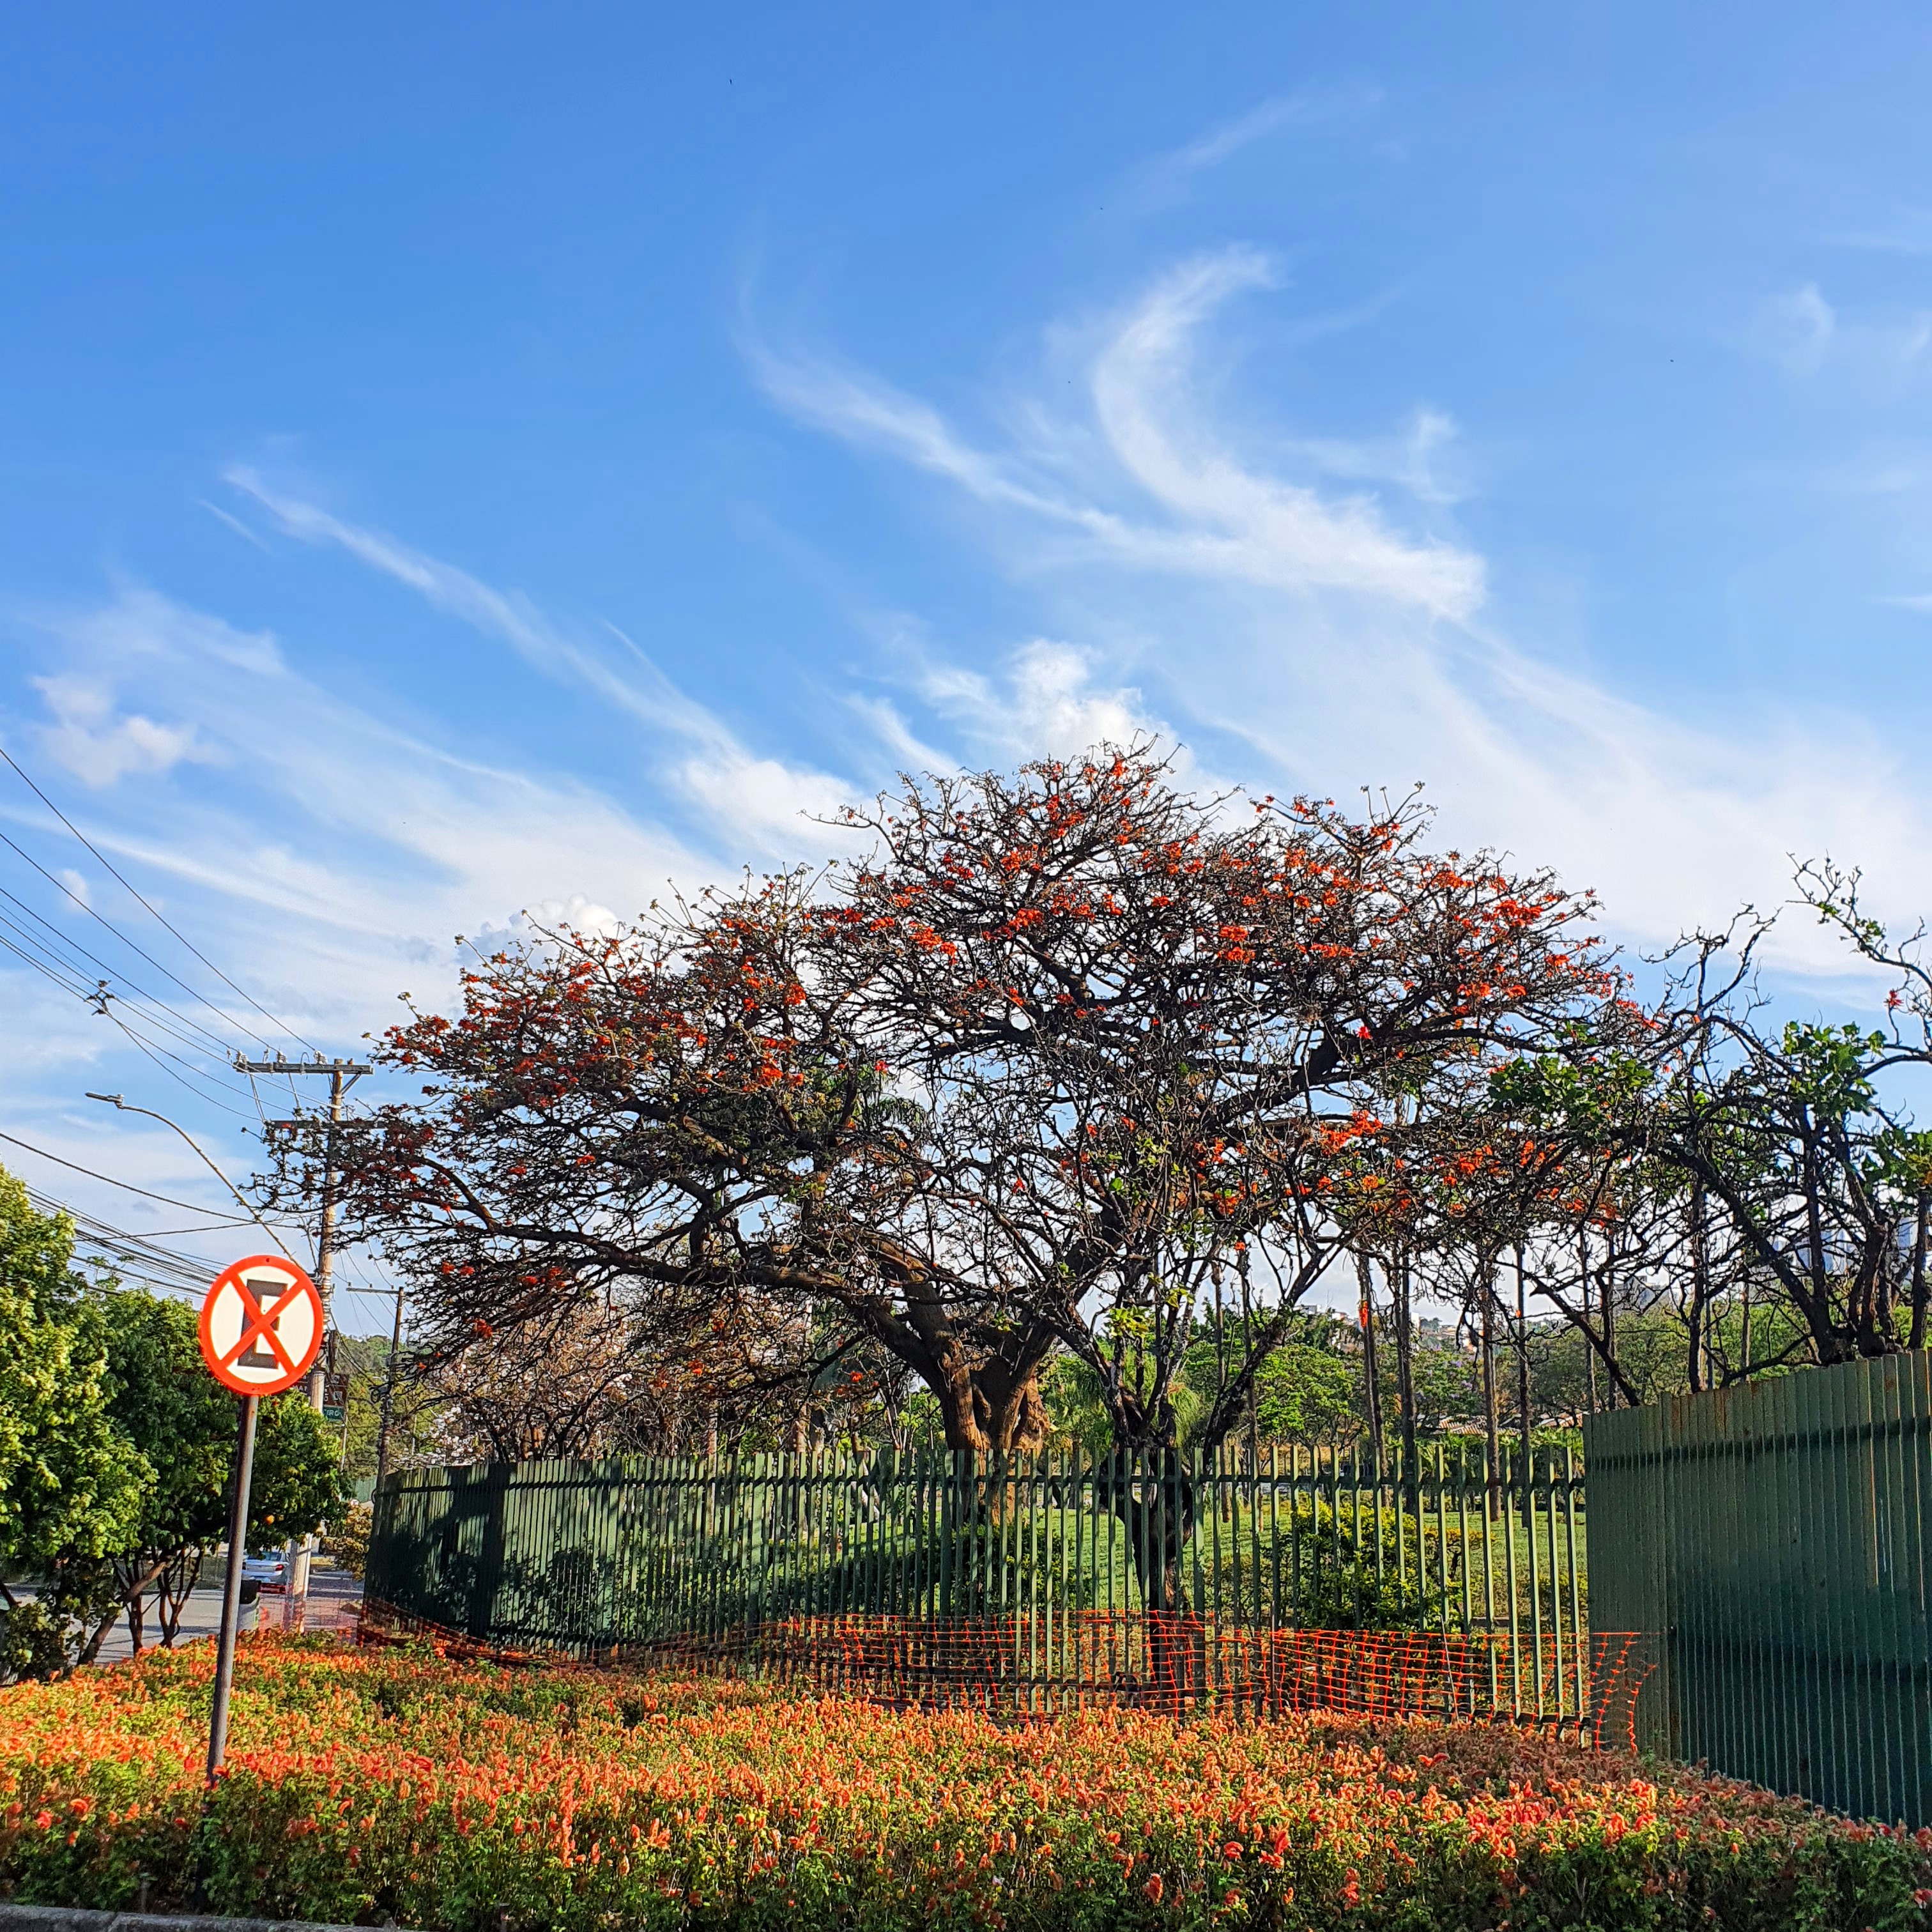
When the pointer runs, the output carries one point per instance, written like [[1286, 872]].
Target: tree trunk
[[996, 1421], [1365, 1277], [1158, 1522], [1405, 1363], [1492, 1433], [1609, 1312], [1700, 1283], [991, 1407], [90, 1649], [1829, 1344], [1248, 1349], [177, 1583], [1522, 1374], [1917, 1330]]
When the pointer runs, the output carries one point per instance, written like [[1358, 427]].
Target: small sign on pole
[[261, 1330]]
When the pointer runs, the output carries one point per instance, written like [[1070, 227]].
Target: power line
[[164, 1233], [97, 996], [108, 864], [158, 1053], [136, 1257], [217, 1044], [61, 886], [40, 967], [167, 1200]]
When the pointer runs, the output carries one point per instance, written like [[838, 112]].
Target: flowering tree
[[1754, 1179], [663, 1123], [1065, 1050], [1151, 1037]]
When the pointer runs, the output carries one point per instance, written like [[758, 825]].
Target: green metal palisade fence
[[1770, 1538], [1064, 1563]]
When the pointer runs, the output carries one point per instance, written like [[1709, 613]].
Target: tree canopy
[[1070, 1072], [117, 1450], [1060, 1049]]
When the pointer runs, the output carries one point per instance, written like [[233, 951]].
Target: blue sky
[[490, 459]]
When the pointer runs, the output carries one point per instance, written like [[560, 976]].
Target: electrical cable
[[55, 961], [97, 998], [217, 1044], [167, 1200], [158, 1053], [137, 1256], [132, 945], [189, 944], [41, 967]]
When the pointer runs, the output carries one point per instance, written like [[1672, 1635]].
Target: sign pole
[[231, 1593], [261, 1330]]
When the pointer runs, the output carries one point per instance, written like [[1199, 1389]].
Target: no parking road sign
[[261, 1330], [261, 1325]]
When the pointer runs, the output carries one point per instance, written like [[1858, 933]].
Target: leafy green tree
[[117, 1450], [70, 1481], [1307, 1393], [186, 1426], [298, 1483], [347, 1545], [415, 1409], [184, 1422]]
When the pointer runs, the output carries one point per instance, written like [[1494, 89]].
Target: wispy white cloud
[[1227, 518], [1795, 329], [1804, 334], [1906, 231], [1176, 502], [1223, 586], [1046, 698], [508, 616], [1215, 146], [1302, 109], [766, 801], [234, 522], [356, 848], [101, 745]]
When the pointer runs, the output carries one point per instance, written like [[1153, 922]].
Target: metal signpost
[[261, 1330]]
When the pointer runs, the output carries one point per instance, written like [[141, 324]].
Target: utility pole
[[342, 1074]]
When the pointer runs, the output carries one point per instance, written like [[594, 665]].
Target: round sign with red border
[[261, 1325]]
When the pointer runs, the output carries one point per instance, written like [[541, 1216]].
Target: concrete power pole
[[342, 1074]]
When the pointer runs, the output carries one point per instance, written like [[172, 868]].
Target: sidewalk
[[330, 1590]]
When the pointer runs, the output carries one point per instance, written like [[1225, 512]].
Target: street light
[[128, 1107]]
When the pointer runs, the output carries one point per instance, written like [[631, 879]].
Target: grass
[[366, 1785]]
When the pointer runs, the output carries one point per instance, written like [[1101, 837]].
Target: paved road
[[329, 1589]]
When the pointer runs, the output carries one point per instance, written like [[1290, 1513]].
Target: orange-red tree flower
[[1060, 1046]]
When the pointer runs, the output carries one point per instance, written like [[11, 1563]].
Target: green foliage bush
[[117, 1448]]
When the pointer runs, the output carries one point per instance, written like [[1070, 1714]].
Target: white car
[[267, 1572]]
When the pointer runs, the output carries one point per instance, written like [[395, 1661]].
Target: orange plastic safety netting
[[339, 1616], [1179, 1664]]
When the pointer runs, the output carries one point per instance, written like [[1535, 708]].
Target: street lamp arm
[[128, 1107]]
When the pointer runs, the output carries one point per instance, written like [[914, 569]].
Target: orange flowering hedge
[[361, 1786]]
